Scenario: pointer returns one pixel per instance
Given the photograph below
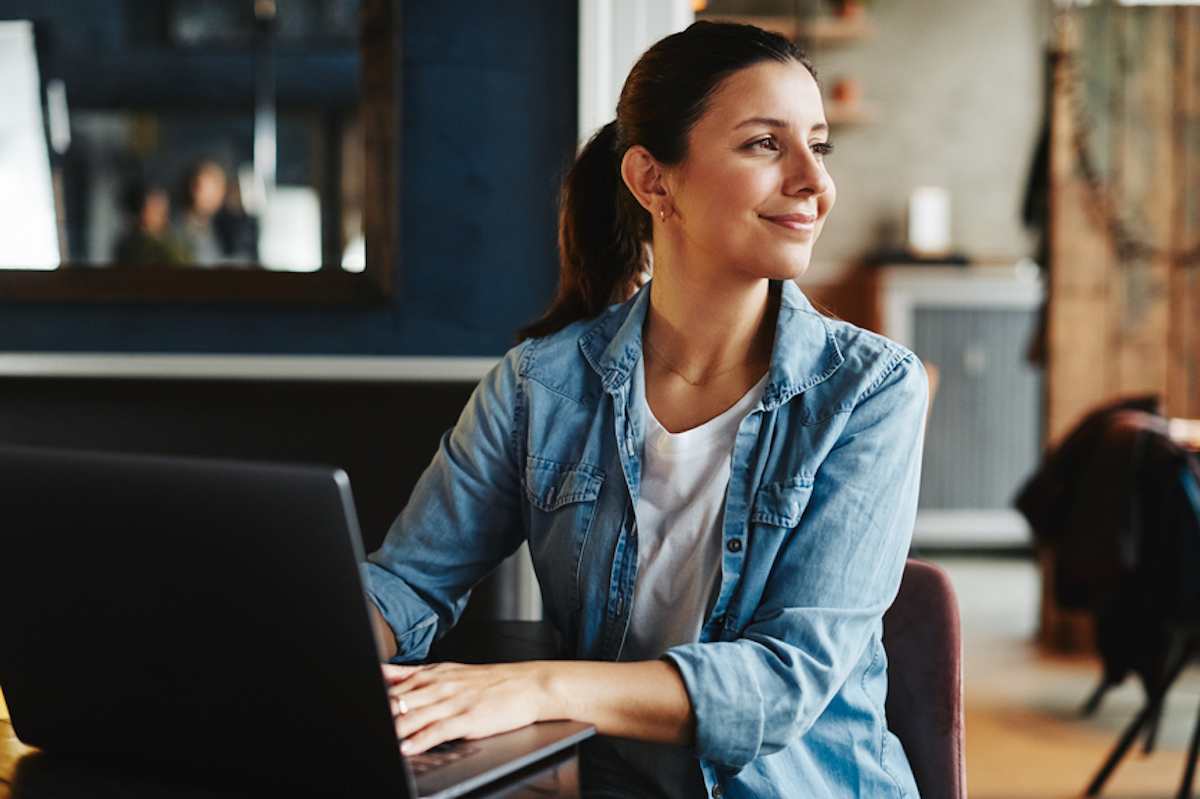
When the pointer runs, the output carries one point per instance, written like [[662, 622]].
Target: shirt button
[[734, 545], [718, 792]]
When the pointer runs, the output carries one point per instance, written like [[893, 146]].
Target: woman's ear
[[644, 177]]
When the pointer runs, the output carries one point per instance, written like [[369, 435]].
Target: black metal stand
[[1189, 770], [1149, 714]]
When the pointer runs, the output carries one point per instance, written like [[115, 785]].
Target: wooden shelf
[[829, 30], [822, 30]]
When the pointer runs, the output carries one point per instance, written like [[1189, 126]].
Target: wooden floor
[[1024, 735]]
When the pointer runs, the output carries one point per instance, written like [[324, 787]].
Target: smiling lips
[[800, 222]]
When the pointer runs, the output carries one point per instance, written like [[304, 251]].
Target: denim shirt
[[789, 677]]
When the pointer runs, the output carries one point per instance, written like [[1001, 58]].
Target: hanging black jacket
[[1118, 503]]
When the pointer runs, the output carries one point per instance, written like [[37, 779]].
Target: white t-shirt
[[679, 516]]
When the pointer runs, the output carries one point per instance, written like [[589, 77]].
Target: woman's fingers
[[393, 674], [398, 704], [418, 696], [440, 703], [417, 687], [449, 729], [417, 719]]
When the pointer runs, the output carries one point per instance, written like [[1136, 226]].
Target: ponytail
[[601, 235]]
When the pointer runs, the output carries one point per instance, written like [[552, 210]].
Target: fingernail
[[406, 748]]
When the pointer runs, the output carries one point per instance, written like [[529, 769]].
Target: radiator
[[984, 435]]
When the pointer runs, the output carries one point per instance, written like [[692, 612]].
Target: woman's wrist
[[645, 700], [555, 686]]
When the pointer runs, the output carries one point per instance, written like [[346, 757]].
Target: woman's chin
[[790, 267]]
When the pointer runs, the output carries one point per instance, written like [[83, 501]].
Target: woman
[[204, 189], [717, 483]]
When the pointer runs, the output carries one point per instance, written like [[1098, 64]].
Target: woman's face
[[753, 192], [156, 211], [208, 190]]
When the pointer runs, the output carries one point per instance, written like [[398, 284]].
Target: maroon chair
[[924, 704]]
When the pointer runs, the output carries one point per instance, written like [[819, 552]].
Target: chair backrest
[[924, 704]]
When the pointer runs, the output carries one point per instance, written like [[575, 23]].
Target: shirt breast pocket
[[782, 504], [563, 499], [552, 486]]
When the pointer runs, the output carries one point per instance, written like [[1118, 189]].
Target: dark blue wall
[[489, 124]]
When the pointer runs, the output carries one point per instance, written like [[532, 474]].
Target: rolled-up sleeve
[[462, 518], [833, 578]]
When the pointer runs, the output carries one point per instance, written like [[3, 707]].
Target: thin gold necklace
[[670, 367]]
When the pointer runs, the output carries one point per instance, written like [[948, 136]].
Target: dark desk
[[498, 642], [26, 773]]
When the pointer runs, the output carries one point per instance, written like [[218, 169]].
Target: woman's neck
[[703, 327]]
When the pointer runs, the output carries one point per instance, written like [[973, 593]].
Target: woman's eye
[[823, 148], [767, 143]]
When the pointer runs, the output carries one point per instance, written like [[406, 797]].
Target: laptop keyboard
[[440, 755]]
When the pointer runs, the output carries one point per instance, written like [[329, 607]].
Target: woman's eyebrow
[[772, 122]]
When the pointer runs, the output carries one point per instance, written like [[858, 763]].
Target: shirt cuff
[[729, 719], [414, 632]]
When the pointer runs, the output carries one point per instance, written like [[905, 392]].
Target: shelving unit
[[819, 31]]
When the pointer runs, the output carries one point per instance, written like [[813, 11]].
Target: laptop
[[208, 618]]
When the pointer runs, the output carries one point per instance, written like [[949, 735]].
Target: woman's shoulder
[[557, 362], [868, 364], [870, 355]]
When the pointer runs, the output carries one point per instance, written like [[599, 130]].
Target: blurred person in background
[[147, 240], [204, 188], [237, 231]]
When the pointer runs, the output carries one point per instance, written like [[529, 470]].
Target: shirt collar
[[804, 353]]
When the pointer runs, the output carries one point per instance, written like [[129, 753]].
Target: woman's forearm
[[644, 700]]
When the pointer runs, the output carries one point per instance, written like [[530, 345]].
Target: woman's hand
[[434, 704], [443, 702]]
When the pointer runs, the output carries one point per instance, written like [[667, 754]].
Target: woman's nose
[[806, 175]]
